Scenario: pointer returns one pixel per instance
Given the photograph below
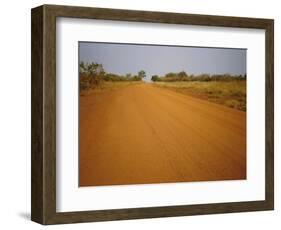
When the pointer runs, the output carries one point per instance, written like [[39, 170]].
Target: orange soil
[[145, 134]]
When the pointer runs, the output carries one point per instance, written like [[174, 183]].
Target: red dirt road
[[145, 134]]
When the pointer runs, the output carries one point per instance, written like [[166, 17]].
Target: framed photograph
[[140, 114]]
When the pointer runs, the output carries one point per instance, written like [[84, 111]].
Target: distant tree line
[[93, 74], [183, 76]]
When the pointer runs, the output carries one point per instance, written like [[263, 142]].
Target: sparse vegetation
[[106, 86], [226, 89], [229, 93], [183, 76], [93, 75]]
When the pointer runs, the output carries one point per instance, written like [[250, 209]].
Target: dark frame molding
[[43, 96]]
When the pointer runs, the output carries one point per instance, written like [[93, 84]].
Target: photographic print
[[161, 114]]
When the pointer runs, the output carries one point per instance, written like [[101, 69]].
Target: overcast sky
[[159, 60]]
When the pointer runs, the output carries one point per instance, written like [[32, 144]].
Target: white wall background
[[15, 113]]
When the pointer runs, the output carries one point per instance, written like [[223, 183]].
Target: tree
[[82, 67], [141, 74], [182, 75], [95, 72], [155, 78], [171, 75], [128, 76]]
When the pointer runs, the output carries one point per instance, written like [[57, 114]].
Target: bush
[[155, 78], [183, 76], [93, 74]]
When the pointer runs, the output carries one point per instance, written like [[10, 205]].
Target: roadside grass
[[108, 85], [228, 93]]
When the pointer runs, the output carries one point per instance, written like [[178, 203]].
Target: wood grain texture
[[37, 115], [43, 158], [269, 117]]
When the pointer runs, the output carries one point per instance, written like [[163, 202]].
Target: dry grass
[[231, 94], [108, 85]]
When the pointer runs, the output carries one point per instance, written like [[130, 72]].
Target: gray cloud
[[157, 59]]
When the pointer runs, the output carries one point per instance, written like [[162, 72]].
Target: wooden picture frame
[[43, 189]]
